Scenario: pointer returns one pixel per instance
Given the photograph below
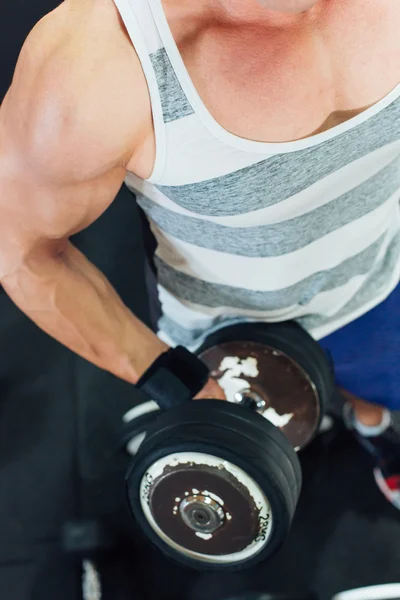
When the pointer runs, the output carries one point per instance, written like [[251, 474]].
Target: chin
[[289, 6]]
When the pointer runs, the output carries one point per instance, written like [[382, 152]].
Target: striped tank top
[[306, 230]]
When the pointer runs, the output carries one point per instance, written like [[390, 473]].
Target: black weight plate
[[259, 462], [244, 422], [281, 519], [291, 400], [255, 427], [138, 426], [303, 380]]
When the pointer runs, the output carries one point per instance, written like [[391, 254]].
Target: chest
[[277, 84]]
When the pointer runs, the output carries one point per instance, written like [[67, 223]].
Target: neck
[[267, 10]]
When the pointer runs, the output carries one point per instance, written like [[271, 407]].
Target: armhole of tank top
[[137, 37]]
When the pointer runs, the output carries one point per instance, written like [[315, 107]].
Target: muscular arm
[[72, 120]]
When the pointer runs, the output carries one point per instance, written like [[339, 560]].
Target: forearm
[[66, 296]]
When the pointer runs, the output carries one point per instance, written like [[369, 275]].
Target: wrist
[[143, 361], [175, 377], [142, 348]]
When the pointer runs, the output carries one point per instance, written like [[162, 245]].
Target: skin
[[67, 139], [63, 88], [289, 6]]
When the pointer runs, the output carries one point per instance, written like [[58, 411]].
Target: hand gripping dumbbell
[[214, 484]]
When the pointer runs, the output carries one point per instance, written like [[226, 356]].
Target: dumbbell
[[214, 484]]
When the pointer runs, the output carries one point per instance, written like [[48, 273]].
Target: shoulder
[[78, 95]]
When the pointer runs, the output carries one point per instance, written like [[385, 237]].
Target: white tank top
[[306, 230]]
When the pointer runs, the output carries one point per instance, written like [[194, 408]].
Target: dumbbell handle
[[174, 378]]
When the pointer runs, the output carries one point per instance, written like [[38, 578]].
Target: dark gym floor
[[59, 457]]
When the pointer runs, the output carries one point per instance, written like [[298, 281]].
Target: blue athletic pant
[[366, 354]]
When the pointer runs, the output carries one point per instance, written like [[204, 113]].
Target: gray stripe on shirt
[[379, 278], [192, 337], [215, 295], [283, 175], [174, 102], [279, 238]]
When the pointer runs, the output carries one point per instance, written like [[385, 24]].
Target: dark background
[[59, 456]]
